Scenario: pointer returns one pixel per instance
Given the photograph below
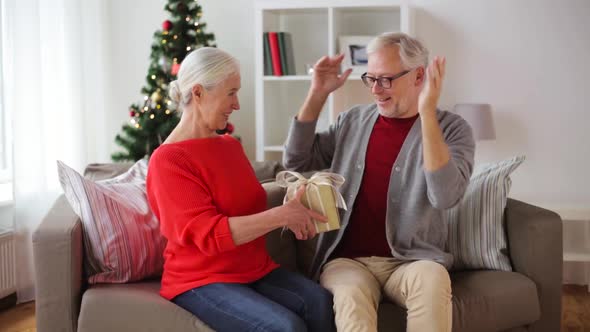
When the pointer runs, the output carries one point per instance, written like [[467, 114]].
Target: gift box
[[321, 195]]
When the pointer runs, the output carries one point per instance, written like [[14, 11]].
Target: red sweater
[[193, 187], [365, 233]]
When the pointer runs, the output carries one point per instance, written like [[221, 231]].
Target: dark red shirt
[[365, 233]]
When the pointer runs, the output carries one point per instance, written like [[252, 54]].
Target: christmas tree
[[153, 119]]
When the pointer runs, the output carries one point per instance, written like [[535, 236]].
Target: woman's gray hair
[[411, 51], [207, 66]]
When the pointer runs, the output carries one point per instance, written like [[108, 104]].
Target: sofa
[[527, 299]]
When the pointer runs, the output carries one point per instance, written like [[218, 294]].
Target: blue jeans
[[280, 301]]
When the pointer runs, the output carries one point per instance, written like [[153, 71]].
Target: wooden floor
[[574, 318], [18, 319]]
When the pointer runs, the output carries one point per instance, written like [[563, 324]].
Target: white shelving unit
[[576, 230], [576, 244], [315, 26]]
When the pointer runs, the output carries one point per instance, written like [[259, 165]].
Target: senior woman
[[212, 211]]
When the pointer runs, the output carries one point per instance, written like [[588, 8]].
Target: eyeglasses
[[383, 81]]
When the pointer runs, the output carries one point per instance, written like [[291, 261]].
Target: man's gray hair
[[411, 51]]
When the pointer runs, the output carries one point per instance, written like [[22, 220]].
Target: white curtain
[[55, 91]]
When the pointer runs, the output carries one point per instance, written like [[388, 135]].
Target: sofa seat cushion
[[493, 300], [133, 307], [482, 301]]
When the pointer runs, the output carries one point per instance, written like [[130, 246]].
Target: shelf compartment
[[308, 29], [282, 101], [365, 21]]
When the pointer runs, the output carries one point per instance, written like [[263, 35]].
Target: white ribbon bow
[[293, 180]]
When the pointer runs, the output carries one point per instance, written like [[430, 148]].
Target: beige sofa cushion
[[134, 307], [477, 237]]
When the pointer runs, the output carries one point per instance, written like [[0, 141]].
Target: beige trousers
[[422, 287]]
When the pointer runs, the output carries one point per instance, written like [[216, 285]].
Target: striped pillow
[[477, 238], [122, 239]]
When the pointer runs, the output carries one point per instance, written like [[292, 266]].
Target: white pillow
[[477, 238], [122, 239]]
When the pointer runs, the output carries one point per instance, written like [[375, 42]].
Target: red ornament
[[175, 69], [132, 113], [229, 128], [167, 25]]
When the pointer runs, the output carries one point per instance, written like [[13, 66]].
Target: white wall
[[526, 58]]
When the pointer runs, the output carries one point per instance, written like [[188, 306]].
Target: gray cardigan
[[416, 197]]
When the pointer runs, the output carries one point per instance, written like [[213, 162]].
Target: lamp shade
[[479, 117]]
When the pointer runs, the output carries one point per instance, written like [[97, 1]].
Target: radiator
[[7, 263]]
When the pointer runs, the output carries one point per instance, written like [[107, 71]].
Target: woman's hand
[[298, 218]]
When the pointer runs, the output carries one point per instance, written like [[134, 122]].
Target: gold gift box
[[321, 200], [321, 195]]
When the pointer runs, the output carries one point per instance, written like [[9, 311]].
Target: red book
[[273, 39]]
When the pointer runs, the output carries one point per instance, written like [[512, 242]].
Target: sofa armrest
[[274, 194], [536, 250], [57, 250], [280, 244]]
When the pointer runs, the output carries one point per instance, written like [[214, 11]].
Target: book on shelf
[[278, 54], [288, 54], [282, 51], [273, 40], [267, 57]]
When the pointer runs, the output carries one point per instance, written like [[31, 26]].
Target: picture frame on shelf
[[354, 49]]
